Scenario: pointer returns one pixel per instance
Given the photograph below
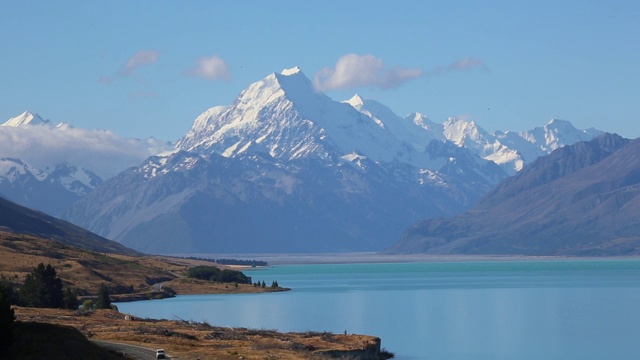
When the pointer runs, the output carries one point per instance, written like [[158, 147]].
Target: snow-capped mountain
[[50, 190], [415, 130], [284, 116], [543, 140], [581, 200], [49, 166], [512, 150], [25, 119], [284, 168]]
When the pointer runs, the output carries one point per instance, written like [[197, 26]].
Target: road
[[137, 352]]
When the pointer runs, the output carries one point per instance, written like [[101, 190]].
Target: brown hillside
[[86, 270]]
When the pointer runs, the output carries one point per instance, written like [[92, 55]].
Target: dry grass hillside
[[86, 270], [190, 340]]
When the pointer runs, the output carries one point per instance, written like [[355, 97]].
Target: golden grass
[[190, 340]]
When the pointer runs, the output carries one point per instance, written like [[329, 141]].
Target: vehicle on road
[[160, 354]]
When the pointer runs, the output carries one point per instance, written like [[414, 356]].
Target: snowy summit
[[25, 119]]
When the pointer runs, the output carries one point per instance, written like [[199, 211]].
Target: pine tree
[[70, 299], [103, 301], [42, 288], [7, 318], [53, 286]]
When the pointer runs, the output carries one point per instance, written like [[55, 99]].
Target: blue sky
[[148, 68]]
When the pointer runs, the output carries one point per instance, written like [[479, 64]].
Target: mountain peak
[[356, 101], [292, 81], [417, 118], [559, 123], [25, 119]]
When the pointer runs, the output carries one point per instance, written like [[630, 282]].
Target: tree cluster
[[252, 263], [274, 284], [212, 273], [42, 289]]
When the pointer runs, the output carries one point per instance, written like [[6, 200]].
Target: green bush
[[88, 304]]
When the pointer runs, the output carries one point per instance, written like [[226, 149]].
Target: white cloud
[[211, 68], [353, 70], [100, 151], [140, 58]]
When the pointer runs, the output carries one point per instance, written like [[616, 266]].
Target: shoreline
[[377, 258]]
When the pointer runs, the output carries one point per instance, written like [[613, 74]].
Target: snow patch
[[353, 156]]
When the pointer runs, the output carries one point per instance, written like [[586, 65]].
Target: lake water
[[569, 309]]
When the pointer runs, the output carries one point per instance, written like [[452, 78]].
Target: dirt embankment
[[192, 340]]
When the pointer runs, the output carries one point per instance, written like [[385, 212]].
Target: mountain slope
[[20, 220], [580, 200], [191, 203]]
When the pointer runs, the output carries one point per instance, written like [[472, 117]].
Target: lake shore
[[373, 258]]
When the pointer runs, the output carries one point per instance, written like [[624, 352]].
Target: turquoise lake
[[556, 309]]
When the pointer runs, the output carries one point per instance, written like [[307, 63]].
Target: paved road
[[135, 351]]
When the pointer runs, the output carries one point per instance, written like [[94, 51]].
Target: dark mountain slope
[[20, 220], [256, 204], [580, 200]]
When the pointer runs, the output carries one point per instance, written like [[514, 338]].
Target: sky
[[149, 68]]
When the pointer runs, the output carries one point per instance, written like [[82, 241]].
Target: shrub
[[88, 304]]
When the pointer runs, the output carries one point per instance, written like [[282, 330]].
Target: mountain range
[[284, 168], [49, 166], [581, 200]]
